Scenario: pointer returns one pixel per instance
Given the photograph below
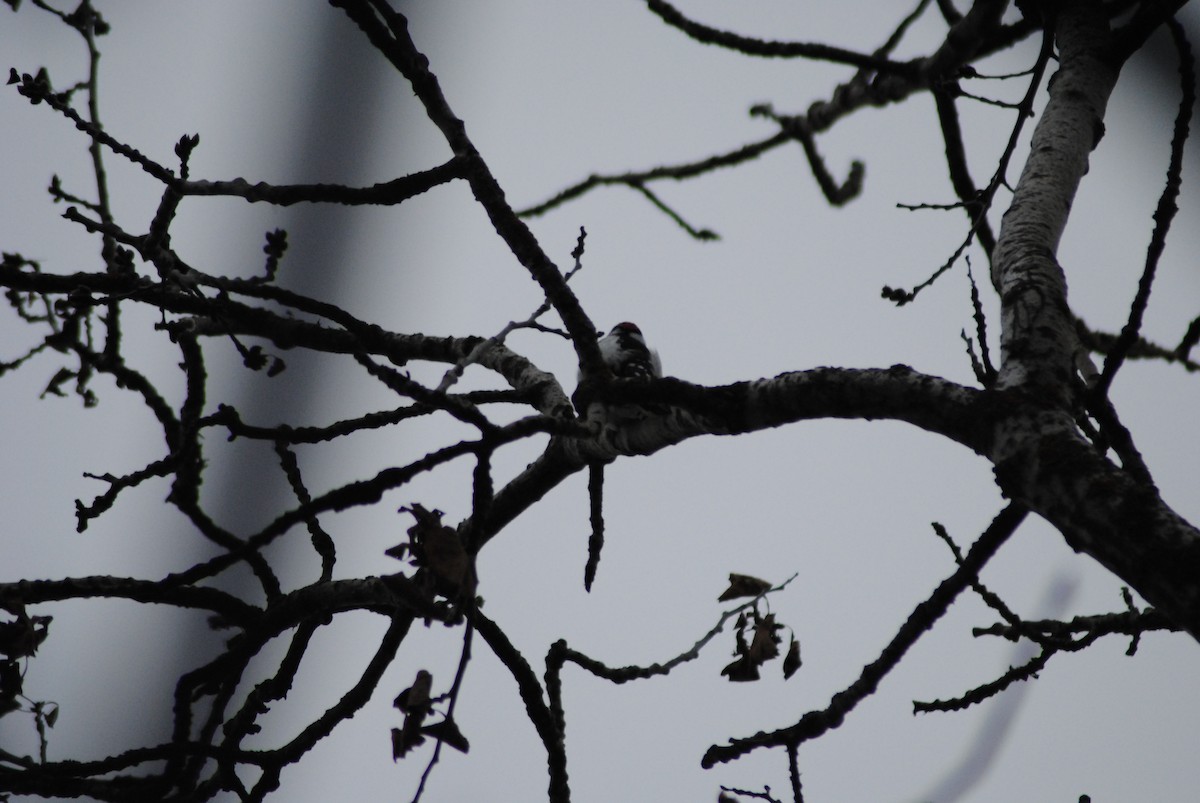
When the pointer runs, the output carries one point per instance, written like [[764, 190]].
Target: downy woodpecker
[[626, 354]]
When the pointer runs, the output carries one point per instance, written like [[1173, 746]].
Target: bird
[[626, 354]]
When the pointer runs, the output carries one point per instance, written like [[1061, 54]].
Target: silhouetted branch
[[359, 493], [1027, 420], [321, 541], [385, 193], [1163, 214], [388, 32], [988, 690], [771, 49], [31, 592], [561, 654], [923, 617], [1126, 623], [1141, 348], [547, 719], [678, 172], [801, 130], [977, 203], [596, 518]]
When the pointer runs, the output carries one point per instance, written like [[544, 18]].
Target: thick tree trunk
[[1042, 459]]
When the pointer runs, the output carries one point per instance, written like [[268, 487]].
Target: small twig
[[1142, 349], [321, 540], [385, 193], [815, 723], [596, 517], [456, 371], [991, 599], [455, 687], [801, 129], [545, 719], [1130, 622], [1189, 340], [85, 513], [765, 794], [560, 653], [405, 386], [897, 35], [699, 234], [988, 690], [677, 172], [989, 370], [977, 204], [1164, 213], [1002, 104], [793, 751], [773, 49], [363, 492]]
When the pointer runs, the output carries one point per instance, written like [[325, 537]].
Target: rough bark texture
[[1038, 341], [1043, 461], [1041, 457]]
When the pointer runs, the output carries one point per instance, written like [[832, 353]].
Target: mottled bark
[[1042, 458]]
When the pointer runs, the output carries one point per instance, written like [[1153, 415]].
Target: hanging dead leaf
[[10, 686], [404, 740], [416, 697], [739, 635], [445, 556], [436, 547], [414, 702], [743, 670], [762, 647], [446, 731], [22, 637], [765, 644], [743, 585], [792, 662]]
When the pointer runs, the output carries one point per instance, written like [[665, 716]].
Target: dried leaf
[[414, 702], [444, 554], [404, 740], [743, 670], [23, 636], [436, 547], [416, 697], [446, 731], [792, 662], [54, 387], [743, 585], [739, 635], [765, 645], [11, 680]]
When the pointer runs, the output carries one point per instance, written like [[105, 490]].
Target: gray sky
[[550, 92]]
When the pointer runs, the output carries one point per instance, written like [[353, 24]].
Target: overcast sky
[[551, 92]]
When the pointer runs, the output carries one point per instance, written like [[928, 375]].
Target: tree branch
[[815, 723], [388, 32]]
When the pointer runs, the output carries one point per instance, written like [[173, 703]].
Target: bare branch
[[923, 617], [1163, 214], [678, 172], [388, 32], [770, 49]]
